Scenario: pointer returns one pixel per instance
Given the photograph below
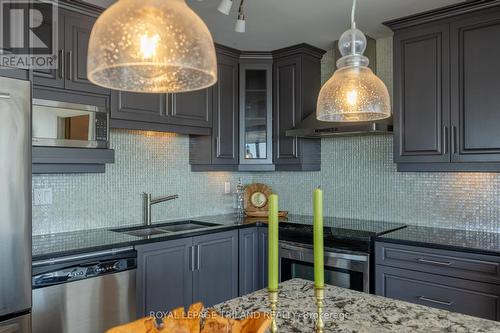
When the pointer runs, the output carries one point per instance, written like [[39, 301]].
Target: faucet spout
[[148, 202]]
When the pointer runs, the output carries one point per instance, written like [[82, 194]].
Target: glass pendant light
[[353, 93], [151, 46]]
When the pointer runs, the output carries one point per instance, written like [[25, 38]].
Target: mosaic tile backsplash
[[358, 177]]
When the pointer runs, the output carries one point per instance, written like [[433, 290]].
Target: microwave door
[[68, 125]]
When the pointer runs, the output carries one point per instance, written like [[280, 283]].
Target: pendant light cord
[[240, 10], [353, 13]]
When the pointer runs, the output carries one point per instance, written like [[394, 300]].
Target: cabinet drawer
[[456, 295], [463, 265]]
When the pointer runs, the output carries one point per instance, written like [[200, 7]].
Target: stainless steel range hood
[[313, 128]]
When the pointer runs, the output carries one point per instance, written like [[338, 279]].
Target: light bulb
[[158, 46], [352, 97], [225, 6], [148, 45]]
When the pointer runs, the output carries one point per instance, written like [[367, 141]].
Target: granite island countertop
[[351, 311]]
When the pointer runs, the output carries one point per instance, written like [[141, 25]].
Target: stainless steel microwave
[[61, 124]]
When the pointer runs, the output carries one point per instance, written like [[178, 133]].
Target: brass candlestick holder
[[319, 294], [273, 300]]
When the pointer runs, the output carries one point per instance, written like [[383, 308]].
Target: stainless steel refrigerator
[[15, 206]]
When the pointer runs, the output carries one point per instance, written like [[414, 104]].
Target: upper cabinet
[[71, 74], [276, 91], [256, 119], [297, 82], [446, 101], [220, 150]]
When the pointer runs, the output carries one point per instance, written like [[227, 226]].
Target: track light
[[225, 6], [240, 23]]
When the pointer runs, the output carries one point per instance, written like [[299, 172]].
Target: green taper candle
[[319, 268], [272, 238]]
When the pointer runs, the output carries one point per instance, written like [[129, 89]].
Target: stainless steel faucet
[[148, 202]]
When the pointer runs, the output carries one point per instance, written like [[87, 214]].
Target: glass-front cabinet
[[256, 116]]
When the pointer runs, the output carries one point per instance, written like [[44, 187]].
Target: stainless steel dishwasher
[[86, 293]]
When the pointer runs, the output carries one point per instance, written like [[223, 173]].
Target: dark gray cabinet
[[297, 82], [455, 281], [249, 260], [422, 95], [220, 150], [187, 113], [215, 278], [253, 259], [74, 32], [475, 80], [272, 100], [262, 233], [182, 271], [77, 28], [164, 276], [445, 102]]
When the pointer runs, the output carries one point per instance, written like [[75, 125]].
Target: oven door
[[344, 270]]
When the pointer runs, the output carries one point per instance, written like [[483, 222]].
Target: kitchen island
[[351, 311]]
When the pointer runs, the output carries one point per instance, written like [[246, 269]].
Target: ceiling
[[272, 24]]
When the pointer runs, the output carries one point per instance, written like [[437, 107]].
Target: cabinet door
[[447, 293], [475, 95], [225, 117], [256, 117], [139, 106], [164, 276], [192, 108], [77, 28], [421, 95], [249, 260], [263, 257], [215, 278], [53, 77], [287, 109]]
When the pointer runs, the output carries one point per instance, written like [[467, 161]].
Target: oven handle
[[336, 255]]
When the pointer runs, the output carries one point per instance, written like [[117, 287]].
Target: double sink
[[166, 228]]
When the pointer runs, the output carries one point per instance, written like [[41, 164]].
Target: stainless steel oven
[[342, 268], [63, 124]]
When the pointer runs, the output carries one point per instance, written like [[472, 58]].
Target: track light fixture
[[225, 6], [240, 22]]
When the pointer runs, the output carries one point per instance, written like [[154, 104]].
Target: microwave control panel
[[101, 126]]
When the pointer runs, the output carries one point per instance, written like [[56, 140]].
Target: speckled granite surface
[[351, 311], [448, 239]]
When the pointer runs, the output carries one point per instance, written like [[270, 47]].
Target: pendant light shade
[[151, 46], [353, 93]]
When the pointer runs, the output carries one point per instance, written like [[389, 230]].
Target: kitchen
[[144, 211]]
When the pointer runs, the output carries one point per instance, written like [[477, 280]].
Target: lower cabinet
[[454, 281], [215, 277], [183, 271], [253, 259]]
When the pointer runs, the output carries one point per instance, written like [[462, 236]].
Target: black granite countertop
[[448, 239], [75, 242]]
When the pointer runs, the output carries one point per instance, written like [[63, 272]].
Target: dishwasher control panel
[[81, 271]]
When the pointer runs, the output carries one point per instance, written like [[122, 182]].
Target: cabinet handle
[[60, 59], [191, 262], [198, 260], [435, 301], [446, 140], [428, 261], [454, 140], [70, 65]]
